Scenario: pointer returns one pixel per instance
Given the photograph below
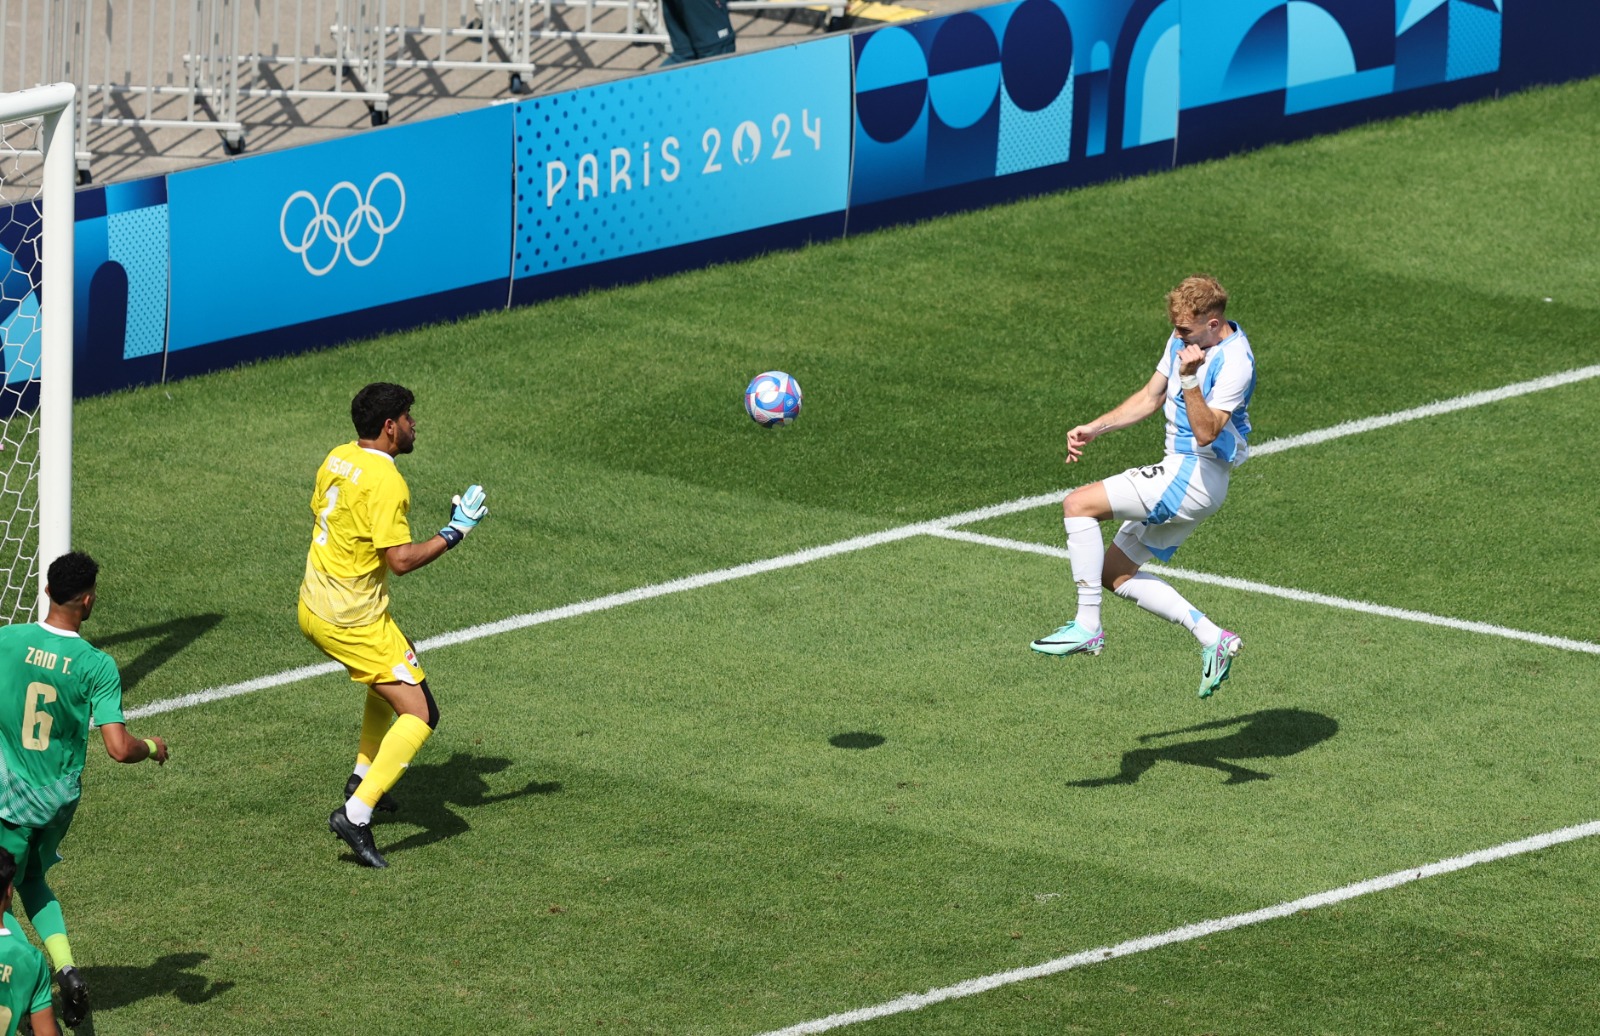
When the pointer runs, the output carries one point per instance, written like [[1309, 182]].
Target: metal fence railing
[[234, 66]]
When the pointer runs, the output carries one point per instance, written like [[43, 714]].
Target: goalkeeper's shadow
[[430, 790]]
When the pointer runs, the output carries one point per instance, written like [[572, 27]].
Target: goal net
[[37, 180]]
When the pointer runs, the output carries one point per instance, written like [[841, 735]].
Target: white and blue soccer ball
[[772, 398]]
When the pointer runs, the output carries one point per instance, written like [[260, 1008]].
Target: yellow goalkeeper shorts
[[375, 653]]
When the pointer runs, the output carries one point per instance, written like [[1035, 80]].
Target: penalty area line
[[518, 622], [1286, 593], [972, 987]]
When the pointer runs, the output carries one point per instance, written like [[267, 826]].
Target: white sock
[[359, 812], [361, 769], [1157, 596], [1087, 552]]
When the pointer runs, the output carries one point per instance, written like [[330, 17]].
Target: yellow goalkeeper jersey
[[358, 508]]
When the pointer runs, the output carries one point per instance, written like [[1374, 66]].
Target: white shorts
[[1160, 505]]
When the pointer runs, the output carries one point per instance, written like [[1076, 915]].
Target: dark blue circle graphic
[[888, 113], [891, 84], [964, 41], [1037, 54]]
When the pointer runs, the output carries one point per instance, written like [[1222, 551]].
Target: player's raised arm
[[467, 510]]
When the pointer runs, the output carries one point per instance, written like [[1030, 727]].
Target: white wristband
[[1189, 381]]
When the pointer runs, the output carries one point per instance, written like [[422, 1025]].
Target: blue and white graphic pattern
[[340, 227], [685, 154]]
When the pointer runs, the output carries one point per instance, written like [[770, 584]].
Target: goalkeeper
[[359, 535]]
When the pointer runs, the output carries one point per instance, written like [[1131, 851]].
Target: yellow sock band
[[400, 745], [60, 951]]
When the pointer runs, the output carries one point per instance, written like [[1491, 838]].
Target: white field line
[[1444, 406], [517, 622], [1303, 596], [1199, 930], [644, 593]]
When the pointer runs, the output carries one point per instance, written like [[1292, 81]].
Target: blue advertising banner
[[683, 155], [969, 97], [1040, 94], [1550, 41], [1279, 70], [1007, 101], [120, 252], [329, 239], [1327, 53], [19, 297]]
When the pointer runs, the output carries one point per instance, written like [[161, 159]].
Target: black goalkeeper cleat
[[386, 803], [74, 996], [357, 836]]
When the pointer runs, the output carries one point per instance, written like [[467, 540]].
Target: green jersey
[[24, 980], [52, 683]]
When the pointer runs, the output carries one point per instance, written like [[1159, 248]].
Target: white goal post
[[37, 184]]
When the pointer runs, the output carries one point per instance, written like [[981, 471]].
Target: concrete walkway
[[121, 153]]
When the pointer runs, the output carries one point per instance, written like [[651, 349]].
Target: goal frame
[[55, 106]]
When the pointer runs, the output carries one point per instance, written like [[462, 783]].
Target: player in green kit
[[52, 684], [24, 977]]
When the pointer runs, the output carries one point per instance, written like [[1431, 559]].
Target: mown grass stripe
[[1189, 932]]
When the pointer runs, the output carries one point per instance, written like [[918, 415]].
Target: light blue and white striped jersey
[[1227, 380]]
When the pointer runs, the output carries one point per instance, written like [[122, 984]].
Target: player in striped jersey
[[1203, 384]]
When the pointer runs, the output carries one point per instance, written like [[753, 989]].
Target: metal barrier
[[145, 64], [134, 72], [192, 64]]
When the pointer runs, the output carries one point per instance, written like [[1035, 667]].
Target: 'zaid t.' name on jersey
[[47, 660]]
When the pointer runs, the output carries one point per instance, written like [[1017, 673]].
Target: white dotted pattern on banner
[[138, 241]]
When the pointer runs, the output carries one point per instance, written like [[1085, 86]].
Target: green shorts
[[34, 848]]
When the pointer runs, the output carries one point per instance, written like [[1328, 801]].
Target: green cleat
[[1217, 661]]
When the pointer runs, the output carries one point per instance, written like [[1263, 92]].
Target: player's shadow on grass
[[430, 790], [170, 638], [1270, 733], [121, 985]]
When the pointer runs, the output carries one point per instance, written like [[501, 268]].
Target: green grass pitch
[[750, 804]]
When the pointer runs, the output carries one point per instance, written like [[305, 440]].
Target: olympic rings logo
[[342, 233]]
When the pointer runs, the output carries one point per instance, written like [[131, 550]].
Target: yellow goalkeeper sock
[[403, 741], [60, 952], [375, 721]]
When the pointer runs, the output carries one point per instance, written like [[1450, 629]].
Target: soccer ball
[[772, 398]]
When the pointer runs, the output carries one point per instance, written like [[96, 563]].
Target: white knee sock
[[1087, 551], [1157, 596]]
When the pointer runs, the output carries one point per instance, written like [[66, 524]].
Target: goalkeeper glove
[[470, 509]]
